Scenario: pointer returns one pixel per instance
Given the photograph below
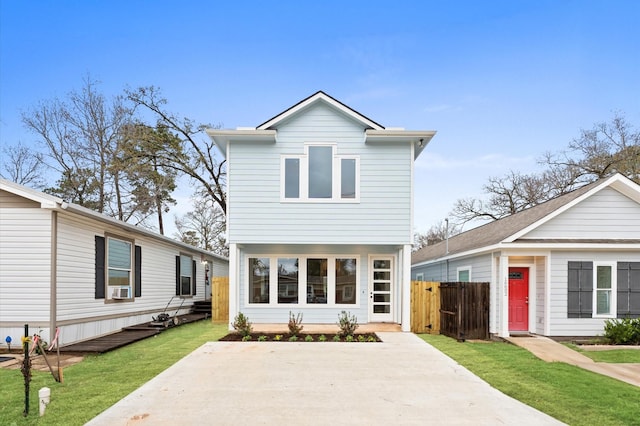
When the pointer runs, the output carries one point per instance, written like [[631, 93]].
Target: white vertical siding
[[381, 217], [25, 273], [540, 292], [560, 324], [606, 214]]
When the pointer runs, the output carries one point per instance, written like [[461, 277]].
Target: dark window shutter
[[100, 258], [193, 276], [177, 275], [628, 290], [580, 290], [138, 271]]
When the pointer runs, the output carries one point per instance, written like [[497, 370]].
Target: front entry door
[[381, 289], [518, 299]]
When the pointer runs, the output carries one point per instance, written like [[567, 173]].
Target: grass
[[570, 394], [100, 381], [619, 356]]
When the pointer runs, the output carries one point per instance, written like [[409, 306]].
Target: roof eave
[[419, 138], [223, 137]]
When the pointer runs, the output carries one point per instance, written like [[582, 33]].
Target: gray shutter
[[138, 271], [177, 275], [580, 290], [628, 290], [99, 270], [193, 276]]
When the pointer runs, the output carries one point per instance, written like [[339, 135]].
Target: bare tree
[[200, 161], [204, 227], [22, 165], [437, 233]]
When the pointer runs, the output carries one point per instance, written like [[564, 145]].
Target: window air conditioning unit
[[120, 293]]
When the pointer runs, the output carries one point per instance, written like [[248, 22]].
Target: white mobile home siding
[[560, 324], [257, 215], [606, 214]]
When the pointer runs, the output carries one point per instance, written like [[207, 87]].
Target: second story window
[[320, 175]]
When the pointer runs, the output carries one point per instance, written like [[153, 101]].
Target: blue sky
[[501, 81]]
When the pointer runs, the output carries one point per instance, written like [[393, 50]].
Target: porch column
[[233, 283], [503, 296], [406, 288]]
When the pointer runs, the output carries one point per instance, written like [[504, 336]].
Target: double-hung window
[[320, 175], [119, 268], [604, 300]]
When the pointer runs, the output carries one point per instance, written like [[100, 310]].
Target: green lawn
[[570, 394], [99, 381], [621, 356]]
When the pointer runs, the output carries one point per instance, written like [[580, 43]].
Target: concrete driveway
[[400, 381]]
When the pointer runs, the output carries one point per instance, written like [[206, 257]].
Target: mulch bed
[[302, 337]]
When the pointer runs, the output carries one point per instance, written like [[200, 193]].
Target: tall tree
[[439, 232], [604, 150], [22, 165], [203, 227], [200, 161]]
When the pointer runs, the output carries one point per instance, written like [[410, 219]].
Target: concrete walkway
[[551, 351], [400, 381]]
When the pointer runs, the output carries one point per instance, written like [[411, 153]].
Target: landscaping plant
[[242, 325], [348, 324], [622, 331], [295, 324]]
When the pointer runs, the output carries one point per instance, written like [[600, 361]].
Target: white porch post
[[233, 283], [503, 296], [406, 288]]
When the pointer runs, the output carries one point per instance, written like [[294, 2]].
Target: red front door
[[518, 299]]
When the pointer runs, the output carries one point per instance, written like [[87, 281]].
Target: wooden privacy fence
[[220, 299], [425, 307], [464, 310]]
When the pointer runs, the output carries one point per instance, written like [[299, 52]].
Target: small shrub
[[361, 338], [262, 338], [322, 338], [246, 338], [371, 339], [242, 325], [309, 338], [277, 337], [622, 331], [295, 323], [336, 338], [348, 324], [293, 338], [349, 338]]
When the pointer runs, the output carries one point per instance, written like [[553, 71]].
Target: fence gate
[[425, 307], [464, 310], [220, 299]]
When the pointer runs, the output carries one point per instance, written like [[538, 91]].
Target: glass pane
[[463, 276], [381, 309], [259, 280], [317, 280], [119, 254], [381, 287], [346, 281], [384, 297], [348, 176], [185, 285], [603, 303], [381, 264], [292, 178], [288, 280], [320, 171], [185, 266], [118, 277], [381, 275], [604, 277]]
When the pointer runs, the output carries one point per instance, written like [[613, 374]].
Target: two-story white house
[[320, 215]]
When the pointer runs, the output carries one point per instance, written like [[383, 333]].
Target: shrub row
[[623, 331]]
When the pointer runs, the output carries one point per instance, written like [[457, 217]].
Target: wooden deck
[[125, 337]]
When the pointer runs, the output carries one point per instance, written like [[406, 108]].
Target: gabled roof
[[319, 96], [510, 228], [51, 202]]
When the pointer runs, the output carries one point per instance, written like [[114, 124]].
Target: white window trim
[[463, 268], [613, 302], [131, 270], [336, 177], [302, 281], [420, 276], [192, 278]]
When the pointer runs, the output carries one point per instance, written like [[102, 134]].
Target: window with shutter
[[628, 292]]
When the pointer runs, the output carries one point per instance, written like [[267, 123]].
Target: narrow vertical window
[[259, 280], [119, 271], [346, 281], [320, 171], [292, 178], [604, 290], [288, 280], [348, 178], [317, 281], [185, 275]]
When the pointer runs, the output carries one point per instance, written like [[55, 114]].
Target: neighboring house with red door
[[68, 267], [558, 269], [319, 216]]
